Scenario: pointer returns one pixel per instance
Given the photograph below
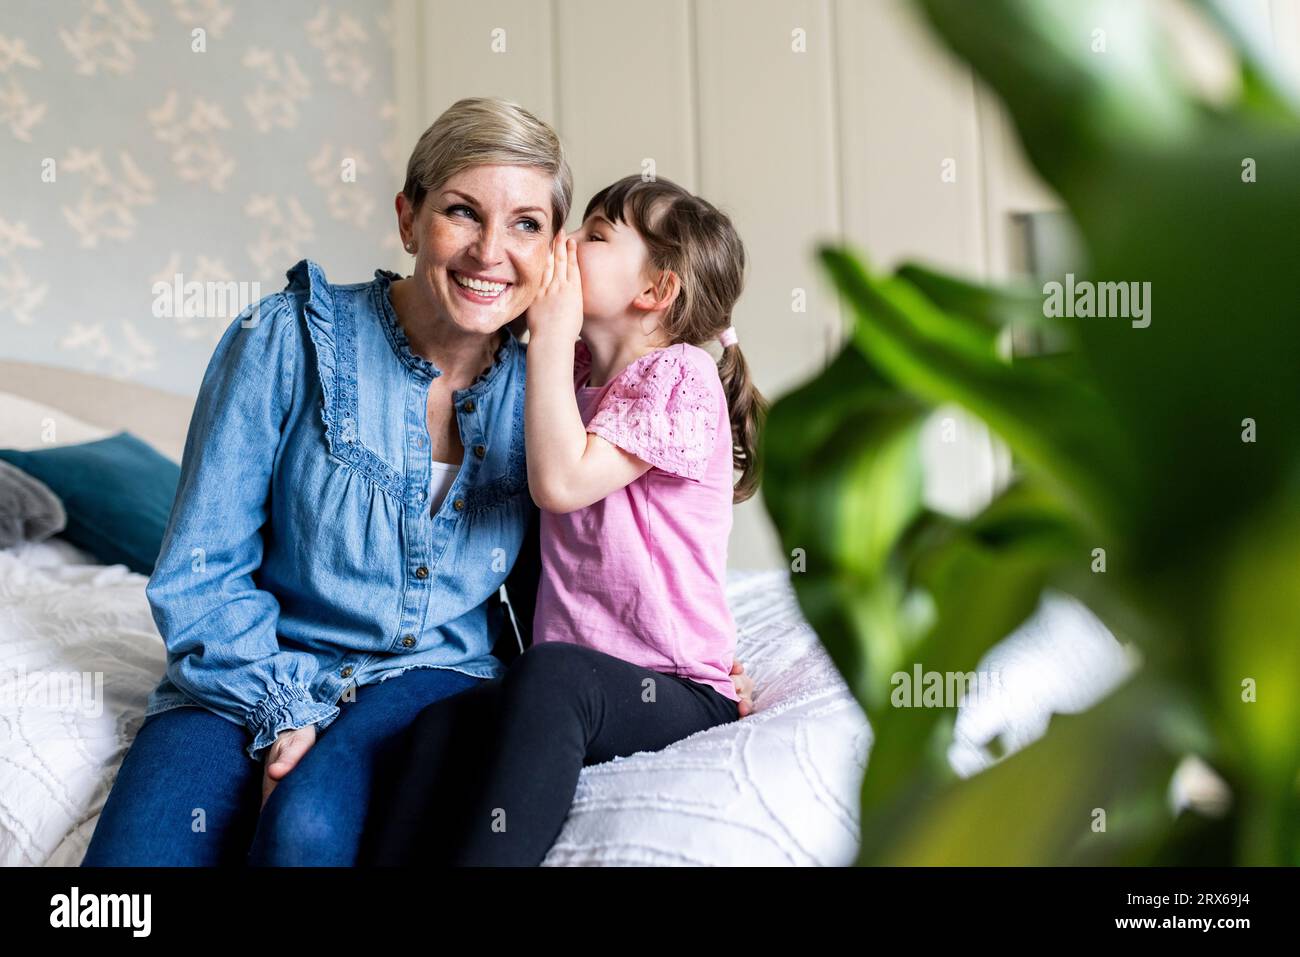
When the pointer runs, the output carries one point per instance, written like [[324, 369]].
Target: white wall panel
[[625, 92], [769, 155], [907, 118]]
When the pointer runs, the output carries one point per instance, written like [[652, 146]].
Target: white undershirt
[[444, 473]]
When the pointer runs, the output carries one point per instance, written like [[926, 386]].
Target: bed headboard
[[160, 418]]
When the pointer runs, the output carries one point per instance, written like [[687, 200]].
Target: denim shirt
[[301, 556]]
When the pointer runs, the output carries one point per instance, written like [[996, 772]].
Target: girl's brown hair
[[690, 238]]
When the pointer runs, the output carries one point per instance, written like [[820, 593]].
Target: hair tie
[[727, 336]]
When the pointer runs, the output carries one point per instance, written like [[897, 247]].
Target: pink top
[[641, 574]]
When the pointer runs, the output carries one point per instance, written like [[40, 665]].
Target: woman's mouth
[[480, 289]]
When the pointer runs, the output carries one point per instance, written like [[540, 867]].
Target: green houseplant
[[1167, 455]]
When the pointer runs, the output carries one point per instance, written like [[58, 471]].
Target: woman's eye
[[455, 210], [532, 225], [594, 237]]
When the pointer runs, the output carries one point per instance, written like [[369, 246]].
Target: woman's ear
[[405, 219], [660, 295]]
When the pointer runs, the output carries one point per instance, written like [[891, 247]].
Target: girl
[[633, 436]]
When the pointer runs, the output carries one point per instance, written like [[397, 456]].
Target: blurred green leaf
[[987, 307], [1072, 103], [1040, 805], [1156, 205], [984, 578], [1169, 444], [1056, 423], [843, 482], [1256, 677], [1265, 86]]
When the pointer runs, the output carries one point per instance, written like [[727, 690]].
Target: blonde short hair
[[488, 131]]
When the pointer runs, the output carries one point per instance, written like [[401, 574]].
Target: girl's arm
[[568, 467]]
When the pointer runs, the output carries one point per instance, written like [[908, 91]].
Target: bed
[[79, 654]]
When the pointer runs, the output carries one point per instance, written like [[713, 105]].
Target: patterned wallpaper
[[162, 162]]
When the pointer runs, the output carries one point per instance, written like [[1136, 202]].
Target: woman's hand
[[558, 306], [283, 756], [744, 687]]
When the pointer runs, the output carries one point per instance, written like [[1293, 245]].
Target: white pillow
[[81, 655], [29, 425]]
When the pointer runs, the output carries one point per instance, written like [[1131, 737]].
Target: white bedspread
[[778, 787]]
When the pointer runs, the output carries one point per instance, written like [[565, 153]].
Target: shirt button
[[458, 504], [346, 672], [408, 641], [480, 450], [422, 572], [469, 405], [419, 496]]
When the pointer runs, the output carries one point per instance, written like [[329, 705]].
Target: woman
[[352, 497]]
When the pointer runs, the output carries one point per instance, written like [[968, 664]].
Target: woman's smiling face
[[481, 241]]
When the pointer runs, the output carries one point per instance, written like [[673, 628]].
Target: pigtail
[[747, 409]]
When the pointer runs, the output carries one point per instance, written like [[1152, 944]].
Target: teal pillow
[[117, 492]]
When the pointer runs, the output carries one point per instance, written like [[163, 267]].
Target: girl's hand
[[558, 307], [283, 756], [744, 687]]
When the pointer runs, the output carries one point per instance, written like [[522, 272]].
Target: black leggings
[[491, 772]]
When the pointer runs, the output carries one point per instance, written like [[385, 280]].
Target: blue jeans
[[188, 795]]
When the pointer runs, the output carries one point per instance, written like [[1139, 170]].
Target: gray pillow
[[29, 511]]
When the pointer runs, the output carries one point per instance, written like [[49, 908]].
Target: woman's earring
[[410, 247]]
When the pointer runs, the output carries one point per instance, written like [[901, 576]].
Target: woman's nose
[[489, 245]]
